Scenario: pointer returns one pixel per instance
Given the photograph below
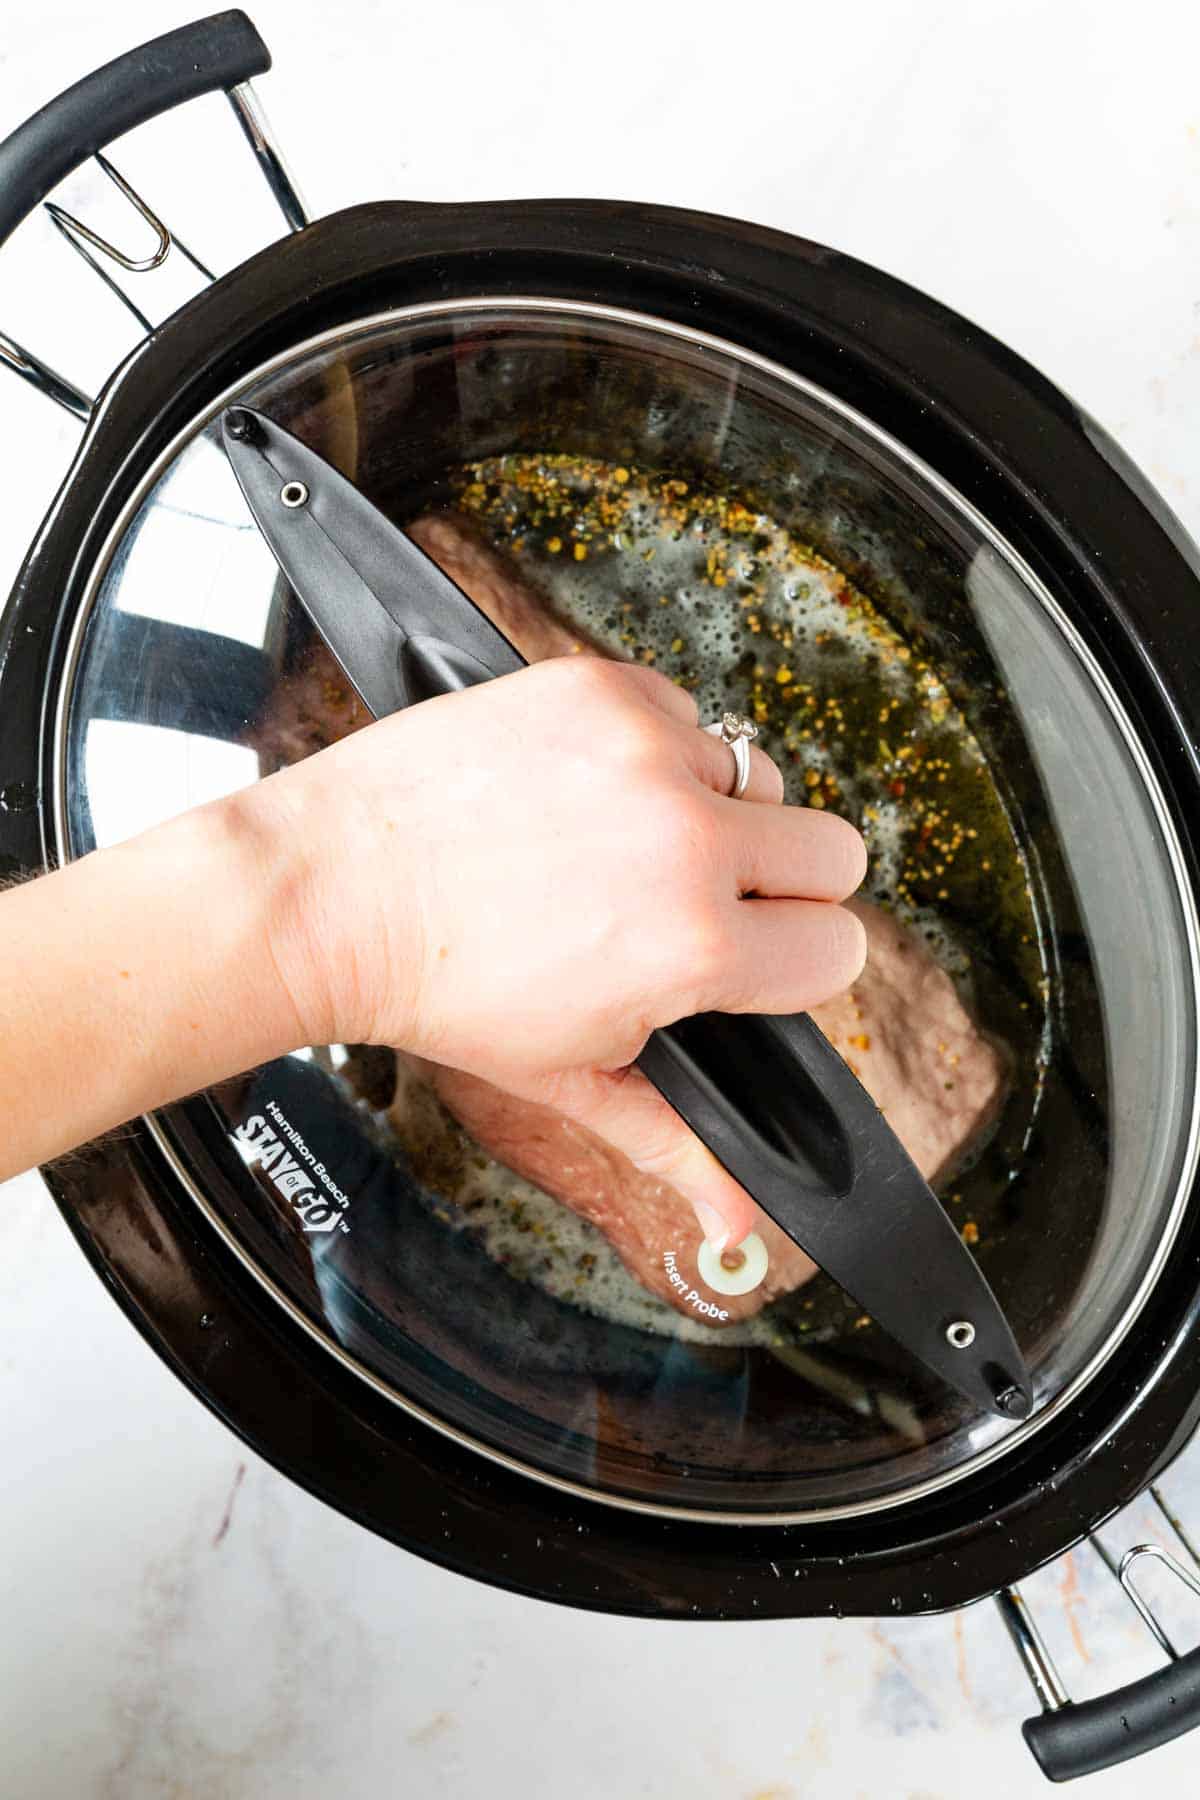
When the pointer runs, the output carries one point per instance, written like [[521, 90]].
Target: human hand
[[523, 880]]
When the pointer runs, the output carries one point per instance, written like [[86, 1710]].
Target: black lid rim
[[1064, 498]]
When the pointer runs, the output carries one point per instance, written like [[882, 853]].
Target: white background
[[175, 1620]]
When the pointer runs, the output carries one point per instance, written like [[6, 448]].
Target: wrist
[[256, 884], [200, 893], [146, 969], [331, 926]]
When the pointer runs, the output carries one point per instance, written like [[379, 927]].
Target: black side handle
[[1095, 1734], [212, 54]]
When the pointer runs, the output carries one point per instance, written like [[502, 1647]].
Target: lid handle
[[770, 1096]]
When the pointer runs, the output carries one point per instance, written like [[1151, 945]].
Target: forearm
[[133, 977], [453, 881]]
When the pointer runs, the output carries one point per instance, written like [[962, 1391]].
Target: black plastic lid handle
[[770, 1097], [206, 57]]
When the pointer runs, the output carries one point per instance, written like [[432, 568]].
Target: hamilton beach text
[[316, 1211]]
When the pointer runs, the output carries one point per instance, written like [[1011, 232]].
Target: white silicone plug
[[736, 1270]]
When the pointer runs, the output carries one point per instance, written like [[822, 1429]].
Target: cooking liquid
[[730, 605]]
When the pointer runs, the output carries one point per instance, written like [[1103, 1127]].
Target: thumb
[[626, 1111]]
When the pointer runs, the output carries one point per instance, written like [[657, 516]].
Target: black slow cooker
[[460, 1402]]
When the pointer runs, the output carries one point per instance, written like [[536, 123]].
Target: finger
[[712, 762], [627, 1112], [663, 694], [795, 852], [789, 955]]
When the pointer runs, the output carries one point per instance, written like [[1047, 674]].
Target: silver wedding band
[[736, 730]]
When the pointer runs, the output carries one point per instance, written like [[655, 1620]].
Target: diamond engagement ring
[[734, 729]]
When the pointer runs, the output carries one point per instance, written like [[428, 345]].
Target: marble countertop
[[176, 1620]]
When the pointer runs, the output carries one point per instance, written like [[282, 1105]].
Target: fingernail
[[711, 1224]]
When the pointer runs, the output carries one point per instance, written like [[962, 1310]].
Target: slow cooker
[[457, 1401]]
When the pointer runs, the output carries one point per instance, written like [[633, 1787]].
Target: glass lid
[[1027, 1017]]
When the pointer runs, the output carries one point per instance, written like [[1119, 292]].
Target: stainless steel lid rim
[[481, 307]]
